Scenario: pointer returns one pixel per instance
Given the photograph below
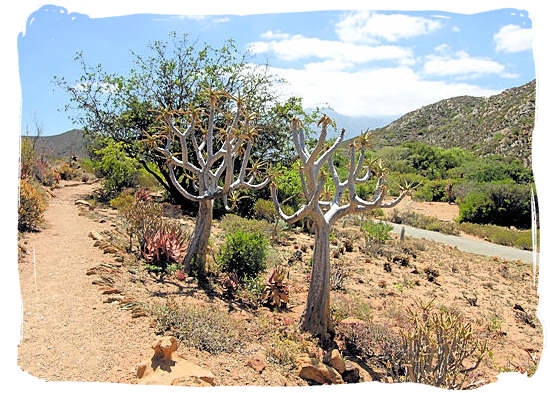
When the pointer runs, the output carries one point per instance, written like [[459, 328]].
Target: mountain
[[500, 124], [354, 125], [63, 145]]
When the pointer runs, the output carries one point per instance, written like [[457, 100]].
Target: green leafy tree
[[174, 75]]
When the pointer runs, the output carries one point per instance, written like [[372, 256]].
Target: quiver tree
[[324, 213], [208, 144]]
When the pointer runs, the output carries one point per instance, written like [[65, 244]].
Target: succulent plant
[[229, 282], [276, 290], [164, 246]]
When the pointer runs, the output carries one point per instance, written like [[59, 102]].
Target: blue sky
[[362, 63]]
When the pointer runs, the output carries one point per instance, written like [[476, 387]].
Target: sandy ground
[[68, 333], [441, 210]]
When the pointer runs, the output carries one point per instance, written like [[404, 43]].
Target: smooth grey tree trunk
[[196, 251], [316, 316]]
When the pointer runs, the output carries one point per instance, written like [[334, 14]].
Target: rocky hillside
[[63, 145], [501, 124]]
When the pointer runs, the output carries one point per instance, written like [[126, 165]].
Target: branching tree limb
[[213, 149], [324, 213]]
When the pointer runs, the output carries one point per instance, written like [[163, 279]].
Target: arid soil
[[441, 210], [70, 333]]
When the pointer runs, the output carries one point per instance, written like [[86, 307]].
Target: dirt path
[[68, 333]]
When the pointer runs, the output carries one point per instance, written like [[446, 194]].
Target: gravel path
[[467, 245], [68, 333]]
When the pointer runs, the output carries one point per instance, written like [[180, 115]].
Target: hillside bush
[[498, 204], [117, 169], [244, 254], [423, 222], [376, 232], [31, 206], [66, 172]]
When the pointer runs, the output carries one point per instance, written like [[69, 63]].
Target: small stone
[[82, 203], [110, 250], [314, 371], [119, 259], [95, 235], [256, 364], [335, 360], [110, 291]]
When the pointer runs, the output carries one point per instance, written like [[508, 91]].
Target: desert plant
[[324, 213], [163, 246], [243, 254], [229, 283], [276, 290], [116, 168], [213, 165], [376, 232], [204, 328], [436, 346], [266, 209], [338, 274], [31, 206], [66, 172]]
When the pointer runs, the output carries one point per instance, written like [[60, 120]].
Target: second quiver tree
[[212, 144], [324, 213]]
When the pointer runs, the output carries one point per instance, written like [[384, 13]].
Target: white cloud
[[370, 27], [461, 64], [328, 65], [223, 19], [513, 38], [270, 35], [456, 29], [374, 92], [298, 47]]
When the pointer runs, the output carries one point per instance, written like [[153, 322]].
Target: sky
[[377, 64]]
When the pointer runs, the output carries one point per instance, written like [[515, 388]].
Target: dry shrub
[[66, 172], [439, 348], [342, 307], [31, 206], [203, 327]]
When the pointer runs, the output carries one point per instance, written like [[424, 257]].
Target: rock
[[351, 322], [82, 202], [335, 360], [167, 368], [95, 235], [351, 372], [312, 370], [119, 259], [256, 364], [110, 250]]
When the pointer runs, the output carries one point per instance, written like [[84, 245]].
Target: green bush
[[31, 206], [499, 204], [500, 235], [232, 223], [118, 170], [377, 232], [243, 254]]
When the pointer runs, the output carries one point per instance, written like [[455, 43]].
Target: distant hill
[[63, 145], [354, 125], [501, 124]]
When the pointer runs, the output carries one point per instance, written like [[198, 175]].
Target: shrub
[[500, 235], [66, 172], [423, 222], [436, 344], [31, 206], [243, 254], [265, 209], [376, 232], [497, 203], [205, 328], [117, 169], [232, 223]]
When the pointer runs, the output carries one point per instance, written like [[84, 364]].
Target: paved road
[[473, 246]]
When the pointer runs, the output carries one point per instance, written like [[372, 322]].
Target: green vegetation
[[243, 254], [423, 222], [377, 232]]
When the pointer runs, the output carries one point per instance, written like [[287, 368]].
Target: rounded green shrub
[[243, 254]]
